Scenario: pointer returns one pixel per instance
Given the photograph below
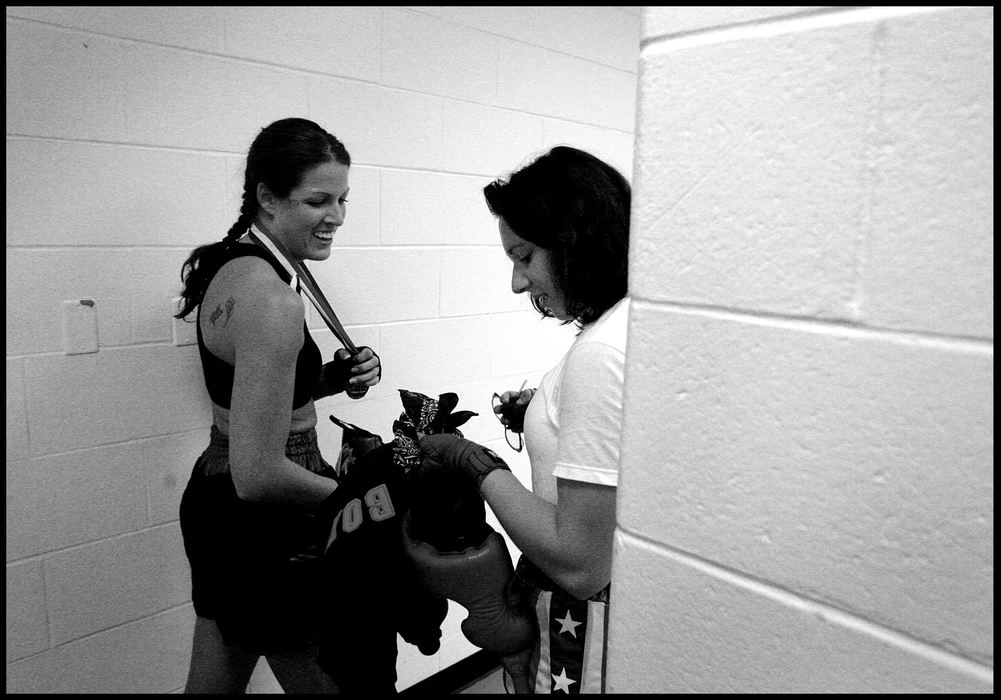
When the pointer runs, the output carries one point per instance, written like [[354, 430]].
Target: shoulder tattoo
[[230, 303]]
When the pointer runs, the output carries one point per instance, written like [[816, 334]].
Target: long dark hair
[[278, 157], [576, 206]]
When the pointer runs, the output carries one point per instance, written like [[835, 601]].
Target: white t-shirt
[[574, 421]]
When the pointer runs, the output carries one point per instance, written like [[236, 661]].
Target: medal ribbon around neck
[[314, 294]]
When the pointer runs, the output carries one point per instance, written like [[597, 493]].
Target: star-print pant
[[570, 653]]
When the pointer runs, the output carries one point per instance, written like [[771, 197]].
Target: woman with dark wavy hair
[[564, 224], [251, 512], [575, 209]]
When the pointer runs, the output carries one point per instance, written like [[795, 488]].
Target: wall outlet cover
[[79, 326]]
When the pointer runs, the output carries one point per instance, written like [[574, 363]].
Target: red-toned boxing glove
[[479, 579]]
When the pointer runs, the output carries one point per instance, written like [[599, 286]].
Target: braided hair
[[279, 156]]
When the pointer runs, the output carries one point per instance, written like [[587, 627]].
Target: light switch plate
[[79, 326]]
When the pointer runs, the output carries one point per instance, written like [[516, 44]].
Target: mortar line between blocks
[[833, 327], [775, 26], [825, 611]]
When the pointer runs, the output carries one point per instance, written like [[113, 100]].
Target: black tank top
[[219, 374]]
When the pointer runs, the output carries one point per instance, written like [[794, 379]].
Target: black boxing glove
[[443, 452], [334, 375]]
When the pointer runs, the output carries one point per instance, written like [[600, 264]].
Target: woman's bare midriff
[[303, 418]]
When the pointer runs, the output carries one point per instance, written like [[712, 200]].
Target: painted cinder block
[[929, 263], [751, 191], [119, 580], [476, 280], [579, 89], [65, 414], [167, 463], [27, 625], [425, 54], [441, 359], [363, 220], [413, 211], [487, 141], [524, 342], [35, 323], [236, 166], [604, 35], [613, 146], [178, 99], [124, 206], [848, 467], [361, 116], [62, 84], [304, 38], [198, 28], [120, 91], [671, 20], [607, 35], [16, 419], [147, 656], [714, 631], [376, 285], [434, 353], [76, 497], [152, 281]]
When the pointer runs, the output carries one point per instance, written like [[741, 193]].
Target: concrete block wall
[[127, 128], [806, 494]]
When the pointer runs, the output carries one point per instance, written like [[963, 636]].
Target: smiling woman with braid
[[251, 515]]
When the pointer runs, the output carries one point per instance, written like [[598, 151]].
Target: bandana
[[423, 415]]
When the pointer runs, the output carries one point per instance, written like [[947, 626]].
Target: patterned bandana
[[423, 415]]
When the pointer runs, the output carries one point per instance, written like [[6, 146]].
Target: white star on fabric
[[562, 682], [568, 625]]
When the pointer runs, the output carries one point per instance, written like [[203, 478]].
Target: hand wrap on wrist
[[471, 458], [482, 460], [336, 373]]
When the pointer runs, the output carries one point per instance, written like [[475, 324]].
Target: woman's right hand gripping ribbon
[[359, 371]]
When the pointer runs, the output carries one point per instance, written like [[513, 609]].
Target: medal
[[315, 295]]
